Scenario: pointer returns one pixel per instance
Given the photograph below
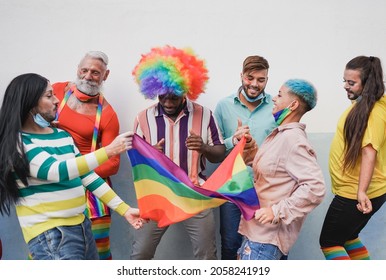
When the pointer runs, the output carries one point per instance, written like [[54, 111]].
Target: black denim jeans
[[344, 222]]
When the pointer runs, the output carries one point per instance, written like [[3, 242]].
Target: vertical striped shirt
[[153, 125], [55, 194]]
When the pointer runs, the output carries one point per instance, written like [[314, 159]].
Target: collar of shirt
[[288, 126], [236, 98]]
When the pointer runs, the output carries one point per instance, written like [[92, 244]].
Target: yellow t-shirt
[[346, 185]]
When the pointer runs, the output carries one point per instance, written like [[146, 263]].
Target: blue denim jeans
[[250, 250], [65, 243], [229, 225]]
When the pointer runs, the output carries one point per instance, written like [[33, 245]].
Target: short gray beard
[[87, 87]]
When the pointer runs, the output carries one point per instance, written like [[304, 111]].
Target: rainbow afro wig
[[167, 70]]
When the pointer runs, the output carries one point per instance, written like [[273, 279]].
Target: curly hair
[[170, 70]]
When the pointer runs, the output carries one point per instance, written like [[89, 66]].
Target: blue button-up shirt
[[260, 120]]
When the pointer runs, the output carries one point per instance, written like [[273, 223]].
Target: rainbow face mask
[[279, 116]]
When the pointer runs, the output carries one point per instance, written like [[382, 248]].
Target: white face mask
[[40, 121]]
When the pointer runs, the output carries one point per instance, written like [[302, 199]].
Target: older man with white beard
[[90, 119]]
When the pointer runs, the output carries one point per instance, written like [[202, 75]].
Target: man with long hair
[[43, 173], [357, 162]]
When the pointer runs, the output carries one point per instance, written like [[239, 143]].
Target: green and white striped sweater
[[59, 174]]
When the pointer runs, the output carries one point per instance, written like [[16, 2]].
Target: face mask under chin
[[279, 116], [260, 96], [40, 121]]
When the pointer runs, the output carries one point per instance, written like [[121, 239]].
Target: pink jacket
[[288, 179]]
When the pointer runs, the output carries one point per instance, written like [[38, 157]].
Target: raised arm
[[108, 134], [71, 164]]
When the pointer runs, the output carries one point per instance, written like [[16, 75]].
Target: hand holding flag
[[165, 193]]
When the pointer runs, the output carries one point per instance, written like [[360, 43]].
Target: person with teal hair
[[303, 90], [287, 177]]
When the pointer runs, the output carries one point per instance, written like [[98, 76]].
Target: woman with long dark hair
[[45, 176], [357, 161]]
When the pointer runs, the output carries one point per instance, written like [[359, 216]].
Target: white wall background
[[300, 38]]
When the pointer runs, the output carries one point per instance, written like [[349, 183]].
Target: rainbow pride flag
[[166, 195]]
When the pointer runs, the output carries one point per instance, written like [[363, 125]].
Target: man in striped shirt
[[182, 129]]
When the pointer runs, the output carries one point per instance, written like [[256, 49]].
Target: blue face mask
[[40, 121], [260, 96]]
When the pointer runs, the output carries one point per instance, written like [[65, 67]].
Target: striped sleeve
[[105, 193], [214, 134], [55, 159]]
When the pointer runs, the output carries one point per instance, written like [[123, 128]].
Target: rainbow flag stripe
[[165, 193]]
